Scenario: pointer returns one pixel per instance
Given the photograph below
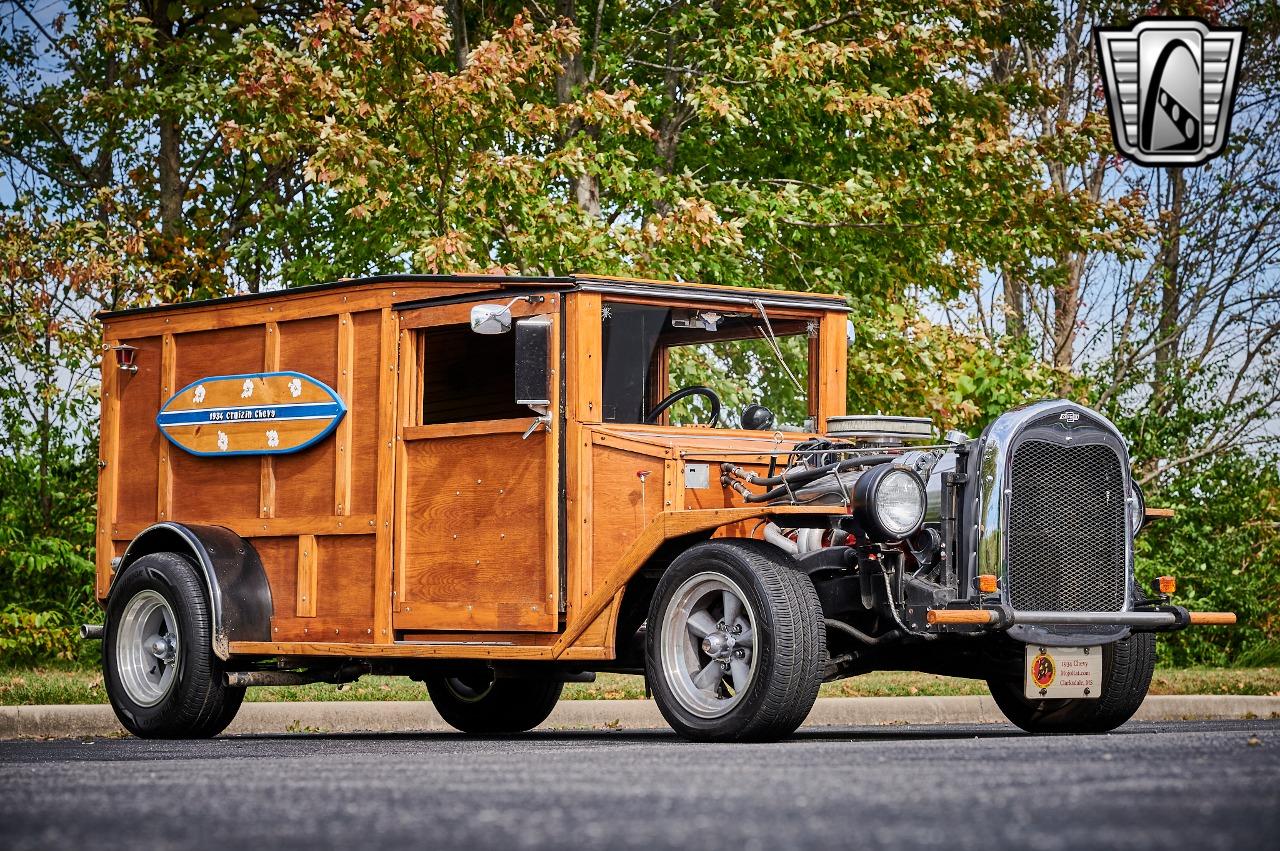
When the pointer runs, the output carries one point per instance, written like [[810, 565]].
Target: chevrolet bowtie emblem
[[1170, 86]]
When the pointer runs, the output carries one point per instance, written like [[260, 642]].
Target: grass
[[65, 684]]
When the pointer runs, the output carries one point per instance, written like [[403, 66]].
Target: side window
[[467, 377]]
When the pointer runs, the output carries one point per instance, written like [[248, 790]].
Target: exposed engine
[[927, 526]]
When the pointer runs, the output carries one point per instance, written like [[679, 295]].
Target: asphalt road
[[1194, 785]]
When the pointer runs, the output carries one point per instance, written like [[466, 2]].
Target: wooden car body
[[411, 515]]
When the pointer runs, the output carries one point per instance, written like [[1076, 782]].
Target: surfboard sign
[[261, 413]]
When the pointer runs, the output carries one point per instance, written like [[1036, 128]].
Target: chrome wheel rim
[[707, 645], [147, 648]]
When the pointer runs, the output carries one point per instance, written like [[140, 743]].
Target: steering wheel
[[685, 392]]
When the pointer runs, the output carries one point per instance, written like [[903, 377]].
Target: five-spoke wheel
[[147, 648], [707, 641]]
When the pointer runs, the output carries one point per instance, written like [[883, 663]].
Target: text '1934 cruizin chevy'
[[497, 485]]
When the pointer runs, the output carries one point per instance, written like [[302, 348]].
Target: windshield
[[652, 351]]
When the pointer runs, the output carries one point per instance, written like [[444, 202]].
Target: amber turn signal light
[[987, 583], [1166, 584]]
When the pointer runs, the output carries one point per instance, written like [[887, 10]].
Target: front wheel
[[736, 643], [160, 672], [1127, 667], [481, 704]]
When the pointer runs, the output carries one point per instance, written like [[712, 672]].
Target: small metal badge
[[1170, 87]]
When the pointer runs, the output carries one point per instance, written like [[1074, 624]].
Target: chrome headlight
[[891, 502], [1137, 508]]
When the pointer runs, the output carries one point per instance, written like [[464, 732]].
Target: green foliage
[[168, 151], [46, 556], [1223, 546], [742, 372], [902, 363]]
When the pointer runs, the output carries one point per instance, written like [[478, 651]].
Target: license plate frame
[[1062, 672]]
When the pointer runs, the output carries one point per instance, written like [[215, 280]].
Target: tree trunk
[[170, 167], [1015, 300], [1168, 338], [1066, 310], [168, 128], [458, 26], [586, 190]]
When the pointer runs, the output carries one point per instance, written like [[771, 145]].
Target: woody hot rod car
[[496, 485]]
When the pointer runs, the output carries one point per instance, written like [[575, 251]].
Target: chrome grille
[[1066, 528]]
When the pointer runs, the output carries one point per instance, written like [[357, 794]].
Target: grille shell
[[1067, 528]]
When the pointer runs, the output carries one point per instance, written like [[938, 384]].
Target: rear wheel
[[480, 704], [160, 672], [1127, 667], [736, 643]]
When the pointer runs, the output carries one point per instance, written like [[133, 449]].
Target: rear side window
[[467, 377]]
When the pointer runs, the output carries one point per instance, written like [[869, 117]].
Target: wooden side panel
[[305, 480], [267, 484], [389, 499], [335, 574], [474, 548], [363, 412], [138, 438], [345, 583], [108, 471], [627, 492], [584, 357], [308, 560], [207, 489], [833, 365], [279, 557]]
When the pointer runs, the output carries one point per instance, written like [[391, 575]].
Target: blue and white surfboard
[[262, 413]]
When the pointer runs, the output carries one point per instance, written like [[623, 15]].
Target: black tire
[[196, 703], [1127, 667], [481, 705], [788, 650]]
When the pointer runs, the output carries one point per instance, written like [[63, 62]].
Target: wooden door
[[478, 513]]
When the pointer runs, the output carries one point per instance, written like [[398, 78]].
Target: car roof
[[608, 284]]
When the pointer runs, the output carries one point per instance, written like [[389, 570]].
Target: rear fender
[[239, 594]]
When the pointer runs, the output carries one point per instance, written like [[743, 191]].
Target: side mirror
[[533, 355], [849, 332], [491, 318]]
